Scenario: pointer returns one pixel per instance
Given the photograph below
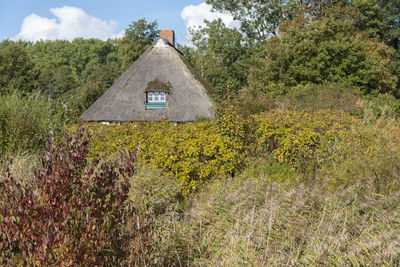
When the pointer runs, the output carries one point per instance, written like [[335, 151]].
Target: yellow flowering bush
[[301, 139], [193, 153]]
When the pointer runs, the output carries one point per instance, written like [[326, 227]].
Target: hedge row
[[194, 153]]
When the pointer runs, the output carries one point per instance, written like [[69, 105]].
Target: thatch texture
[[161, 66]]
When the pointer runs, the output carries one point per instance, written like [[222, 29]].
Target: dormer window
[[156, 100]]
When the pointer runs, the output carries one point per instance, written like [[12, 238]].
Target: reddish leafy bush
[[72, 213]]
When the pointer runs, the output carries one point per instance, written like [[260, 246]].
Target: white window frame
[[156, 97]]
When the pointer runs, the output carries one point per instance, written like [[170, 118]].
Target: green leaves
[[138, 37], [16, 70], [327, 50], [222, 56], [259, 18], [23, 120]]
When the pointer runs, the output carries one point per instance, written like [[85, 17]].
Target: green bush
[[368, 151], [300, 139], [381, 104], [24, 122], [334, 96]]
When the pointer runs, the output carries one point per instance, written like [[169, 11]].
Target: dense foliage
[[16, 70], [301, 139], [193, 153], [197, 153], [24, 121], [71, 212], [300, 166], [328, 50]]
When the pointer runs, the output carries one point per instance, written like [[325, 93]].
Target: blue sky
[[55, 19]]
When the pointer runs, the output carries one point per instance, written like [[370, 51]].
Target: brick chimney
[[169, 36]]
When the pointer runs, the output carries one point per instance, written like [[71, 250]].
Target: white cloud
[[194, 16], [70, 23]]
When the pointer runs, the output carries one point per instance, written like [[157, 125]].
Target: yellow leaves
[[296, 137], [193, 153]]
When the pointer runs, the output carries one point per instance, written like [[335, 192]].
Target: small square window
[[156, 97], [156, 100]]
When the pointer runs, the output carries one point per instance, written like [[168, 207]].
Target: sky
[[33, 20]]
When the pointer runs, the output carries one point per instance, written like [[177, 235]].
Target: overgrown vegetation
[[24, 121], [300, 167], [272, 211], [193, 153], [72, 211]]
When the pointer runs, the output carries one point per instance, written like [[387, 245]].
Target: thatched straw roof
[[160, 68]]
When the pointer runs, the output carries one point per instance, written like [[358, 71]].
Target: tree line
[[279, 46]]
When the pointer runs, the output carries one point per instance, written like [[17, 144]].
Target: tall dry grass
[[251, 222]]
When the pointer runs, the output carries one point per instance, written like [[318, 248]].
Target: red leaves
[[73, 212]]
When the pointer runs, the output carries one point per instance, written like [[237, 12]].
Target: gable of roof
[[160, 68]]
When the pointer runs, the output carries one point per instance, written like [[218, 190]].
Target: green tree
[[16, 69], [258, 18], [221, 55], [65, 65], [57, 81], [89, 54], [381, 17], [138, 37], [324, 51]]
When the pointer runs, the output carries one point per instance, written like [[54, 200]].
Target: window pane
[[156, 97], [149, 97]]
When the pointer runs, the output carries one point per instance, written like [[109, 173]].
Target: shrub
[[369, 152], [193, 153], [73, 212], [300, 139], [23, 122], [334, 96], [383, 103]]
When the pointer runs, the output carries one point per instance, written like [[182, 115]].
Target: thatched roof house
[[159, 85]]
